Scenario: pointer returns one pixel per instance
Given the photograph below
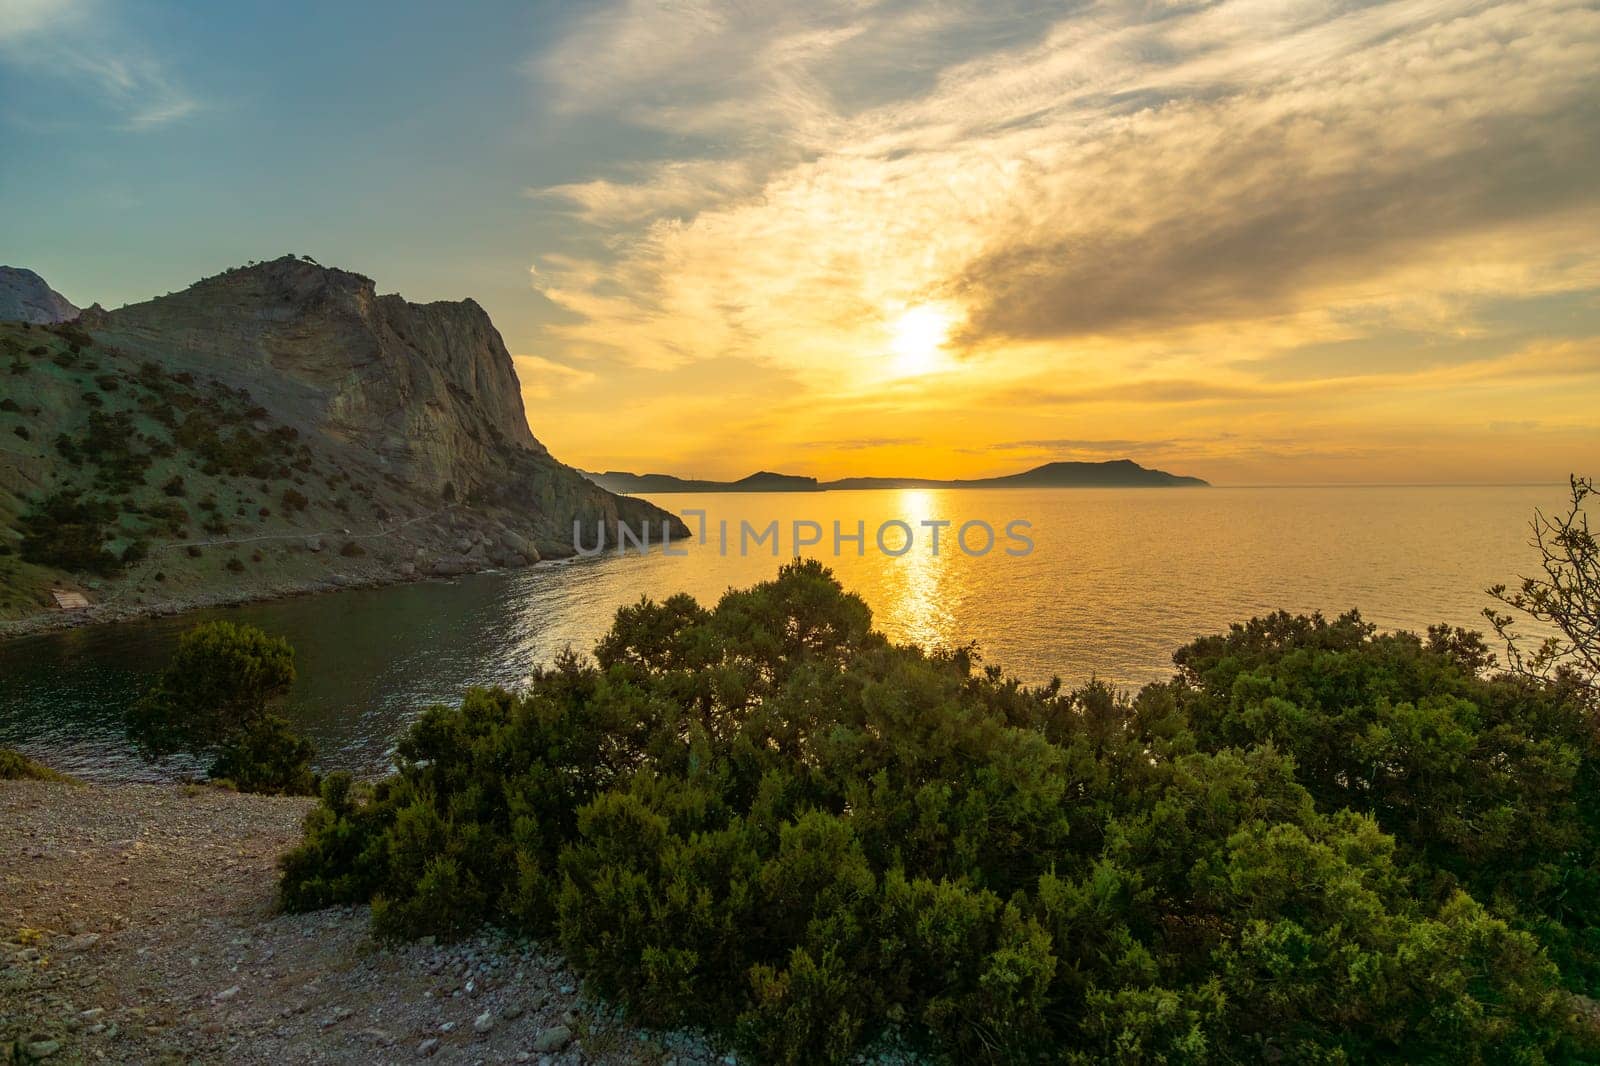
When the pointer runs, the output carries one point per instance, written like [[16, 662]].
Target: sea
[[1069, 583]]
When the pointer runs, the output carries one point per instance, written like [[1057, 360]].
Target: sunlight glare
[[919, 334]]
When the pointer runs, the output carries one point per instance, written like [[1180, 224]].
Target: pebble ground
[[137, 925]]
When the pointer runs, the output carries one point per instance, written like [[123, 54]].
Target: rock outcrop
[[25, 297], [275, 428], [425, 391]]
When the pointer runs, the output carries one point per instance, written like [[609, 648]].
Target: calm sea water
[[1116, 581]]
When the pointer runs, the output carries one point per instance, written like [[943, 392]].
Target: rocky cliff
[[275, 428], [25, 297]]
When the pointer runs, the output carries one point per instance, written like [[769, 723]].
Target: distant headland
[[1115, 473]]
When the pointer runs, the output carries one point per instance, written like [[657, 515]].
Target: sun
[[919, 335]]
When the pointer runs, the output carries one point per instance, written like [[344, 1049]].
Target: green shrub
[[267, 757], [168, 517], [15, 766], [294, 501], [1487, 784], [214, 697], [174, 486], [767, 818], [67, 531], [108, 443]]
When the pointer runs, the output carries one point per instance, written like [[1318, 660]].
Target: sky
[[1257, 241]]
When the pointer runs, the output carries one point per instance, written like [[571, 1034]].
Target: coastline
[[111, 611]]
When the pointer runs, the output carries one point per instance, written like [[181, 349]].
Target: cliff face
[[25, 297], [427, 390], [275, 428]]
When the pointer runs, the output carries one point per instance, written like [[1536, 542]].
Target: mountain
[[762, 481], [24, 297], [1116, 473], [276, 428]]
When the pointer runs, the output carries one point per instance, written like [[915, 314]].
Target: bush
[[767, 818], [351, 549], [174, 486], [169, 517], [294, 501], [214, 697], [15, 766], [1487, 784], [136, 552], [64, 530], [108, 444], [267, 757]]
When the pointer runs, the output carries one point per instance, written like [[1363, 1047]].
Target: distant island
[[760, 481], [1115, 473]]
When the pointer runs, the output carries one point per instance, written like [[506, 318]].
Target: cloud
[[1072, 444], [544, 378], [23, 18], [860, 444], [673, 188], [1117, 171], [82, 44]]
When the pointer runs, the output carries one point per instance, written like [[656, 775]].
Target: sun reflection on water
[[922, 585]]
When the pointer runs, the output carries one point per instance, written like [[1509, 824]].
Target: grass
[[15, 766]]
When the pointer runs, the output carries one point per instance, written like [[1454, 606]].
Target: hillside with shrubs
[[1315, 844], [273, 429]]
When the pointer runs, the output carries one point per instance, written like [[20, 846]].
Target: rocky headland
[[275, 429]]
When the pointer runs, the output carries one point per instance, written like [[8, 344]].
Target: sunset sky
[[1258, 242]]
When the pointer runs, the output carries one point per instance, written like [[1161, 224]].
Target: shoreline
[[110, 612]]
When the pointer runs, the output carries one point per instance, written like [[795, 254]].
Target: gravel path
[[137, 925]]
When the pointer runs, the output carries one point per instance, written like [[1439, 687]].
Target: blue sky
[[150, 144], [1255, 240]]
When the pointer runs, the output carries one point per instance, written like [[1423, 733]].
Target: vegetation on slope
[[1314, 844], [130, 458]]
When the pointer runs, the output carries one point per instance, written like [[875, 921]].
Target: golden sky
[[1258, 241], [1253, 241]]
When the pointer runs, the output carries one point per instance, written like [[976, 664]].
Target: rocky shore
[[137, 924], [131, 608]]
